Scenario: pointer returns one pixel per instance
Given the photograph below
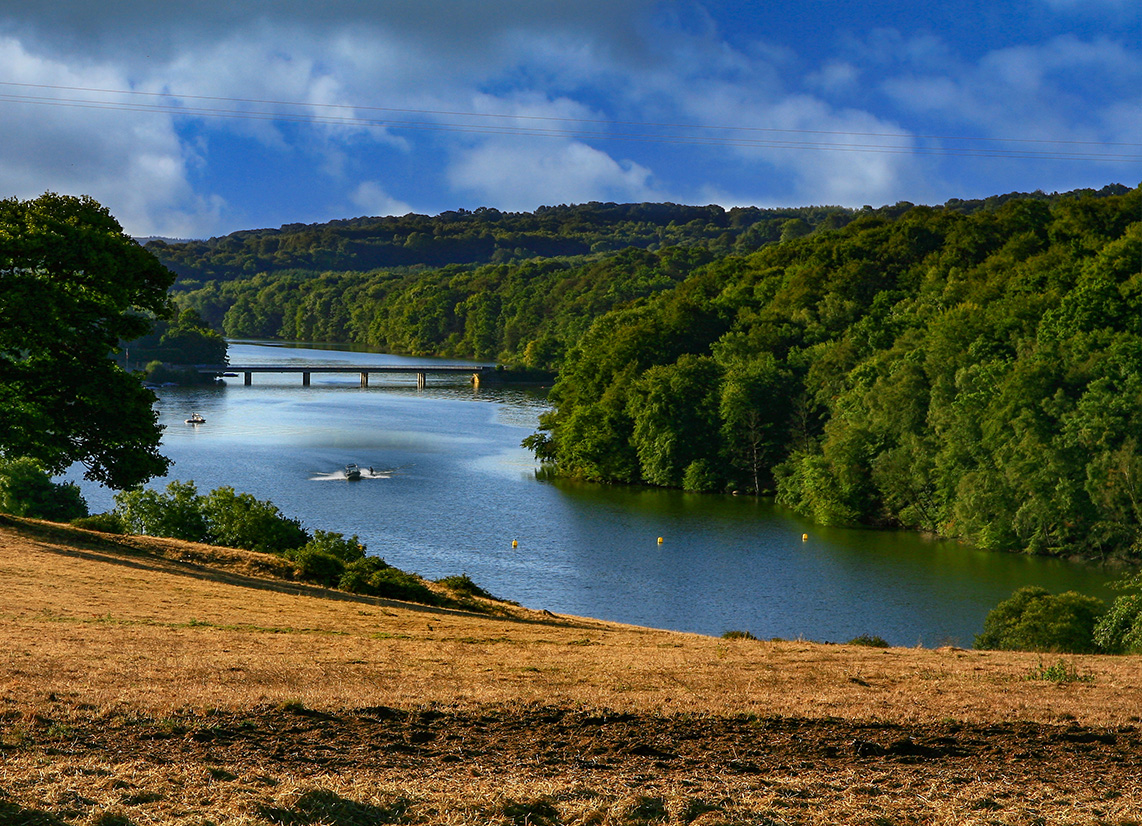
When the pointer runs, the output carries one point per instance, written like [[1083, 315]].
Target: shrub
[[176, 513], [26, 489], [870, 641], [1060, 672], [335, 544], [738, 635], [317, 566], [238, 520], [1119, 630], [357, 574], [462, 584], [105, 522], [1032, 619], [394, 583]]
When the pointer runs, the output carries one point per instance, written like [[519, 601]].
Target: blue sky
[[204, 118]]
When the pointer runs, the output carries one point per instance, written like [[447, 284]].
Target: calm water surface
[[454, 488]]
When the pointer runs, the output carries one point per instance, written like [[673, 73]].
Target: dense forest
[[973, 369], [974, 375]]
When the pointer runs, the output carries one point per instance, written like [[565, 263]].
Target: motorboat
[[352, 473], [195, 419]]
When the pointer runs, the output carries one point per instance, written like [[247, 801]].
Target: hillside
[[152, 681]]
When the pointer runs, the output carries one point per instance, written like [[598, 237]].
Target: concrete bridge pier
[[421, 381], [364, 379], [249, 379], [476, 380], [305, 379]]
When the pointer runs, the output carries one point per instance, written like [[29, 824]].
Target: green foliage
[[738, 635], [103, 522], [26, 489], [974, 371], [358, 573], [1119, 631], [394, 583], [223, 517], [463, 585], [1032, 619], [869, 641], [177, 513], [186, 339], [238, 520], [1060, 672], [317, 566], [335, 544], [72, 286]]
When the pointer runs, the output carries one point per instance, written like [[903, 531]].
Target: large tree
[[72, 286]]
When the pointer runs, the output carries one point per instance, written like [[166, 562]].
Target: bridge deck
[[342, 368]]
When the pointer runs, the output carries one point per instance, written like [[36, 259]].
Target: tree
[[1032, 619], [26, 490], [72, 286]]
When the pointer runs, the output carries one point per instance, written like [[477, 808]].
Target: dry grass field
[[147, 681]]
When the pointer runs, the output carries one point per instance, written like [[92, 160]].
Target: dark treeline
[[974, 374], [484, 236]]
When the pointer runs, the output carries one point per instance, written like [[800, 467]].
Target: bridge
[[364, 370]]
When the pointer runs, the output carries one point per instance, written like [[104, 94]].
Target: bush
[[317, 566], [26, 489], [357, 574], [238, 520], [869, 640], [462, 584], [105, 522], [1032, 619], [1119, 630], [335, 544], [394, 583], [176, 513], [738, 635]]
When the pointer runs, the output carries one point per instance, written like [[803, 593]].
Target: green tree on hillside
[[72, 286]]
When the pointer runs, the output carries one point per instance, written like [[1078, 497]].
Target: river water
[[453, 489]]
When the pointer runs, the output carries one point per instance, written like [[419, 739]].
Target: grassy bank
[[156, 681]]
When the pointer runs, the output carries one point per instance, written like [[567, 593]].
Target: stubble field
[[149, 681]]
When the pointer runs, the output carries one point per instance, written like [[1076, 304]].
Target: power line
[[500, 124]]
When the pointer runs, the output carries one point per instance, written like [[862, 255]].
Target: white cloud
[[133, 163], [371, 197], [516, 175]]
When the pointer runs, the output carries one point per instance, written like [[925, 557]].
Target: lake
[[453, 489]]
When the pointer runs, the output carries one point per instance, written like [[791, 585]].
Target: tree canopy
[[72, 286]]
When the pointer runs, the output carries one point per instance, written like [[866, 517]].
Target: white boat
[[195, 419], [352, 473]]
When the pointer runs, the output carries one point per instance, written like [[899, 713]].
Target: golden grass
[[99, 632]]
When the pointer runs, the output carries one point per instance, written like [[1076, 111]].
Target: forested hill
[[973, 375], [486, 236]]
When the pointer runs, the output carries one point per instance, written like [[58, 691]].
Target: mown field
[[149, 681]]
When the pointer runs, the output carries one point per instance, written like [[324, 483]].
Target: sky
[[195, 120]]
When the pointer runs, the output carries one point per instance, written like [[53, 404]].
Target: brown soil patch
[[147, 681]]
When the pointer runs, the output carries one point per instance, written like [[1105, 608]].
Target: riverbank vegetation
[[972, 370]]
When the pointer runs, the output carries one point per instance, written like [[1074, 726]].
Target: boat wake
[[367, 473]]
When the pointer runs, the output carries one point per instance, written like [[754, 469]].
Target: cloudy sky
[[197, 119]]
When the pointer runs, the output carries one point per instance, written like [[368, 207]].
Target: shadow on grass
[[13, 815], [325, 808]]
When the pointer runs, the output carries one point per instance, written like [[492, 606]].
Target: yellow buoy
[[804, 537], [515, 543], [660, 540]]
